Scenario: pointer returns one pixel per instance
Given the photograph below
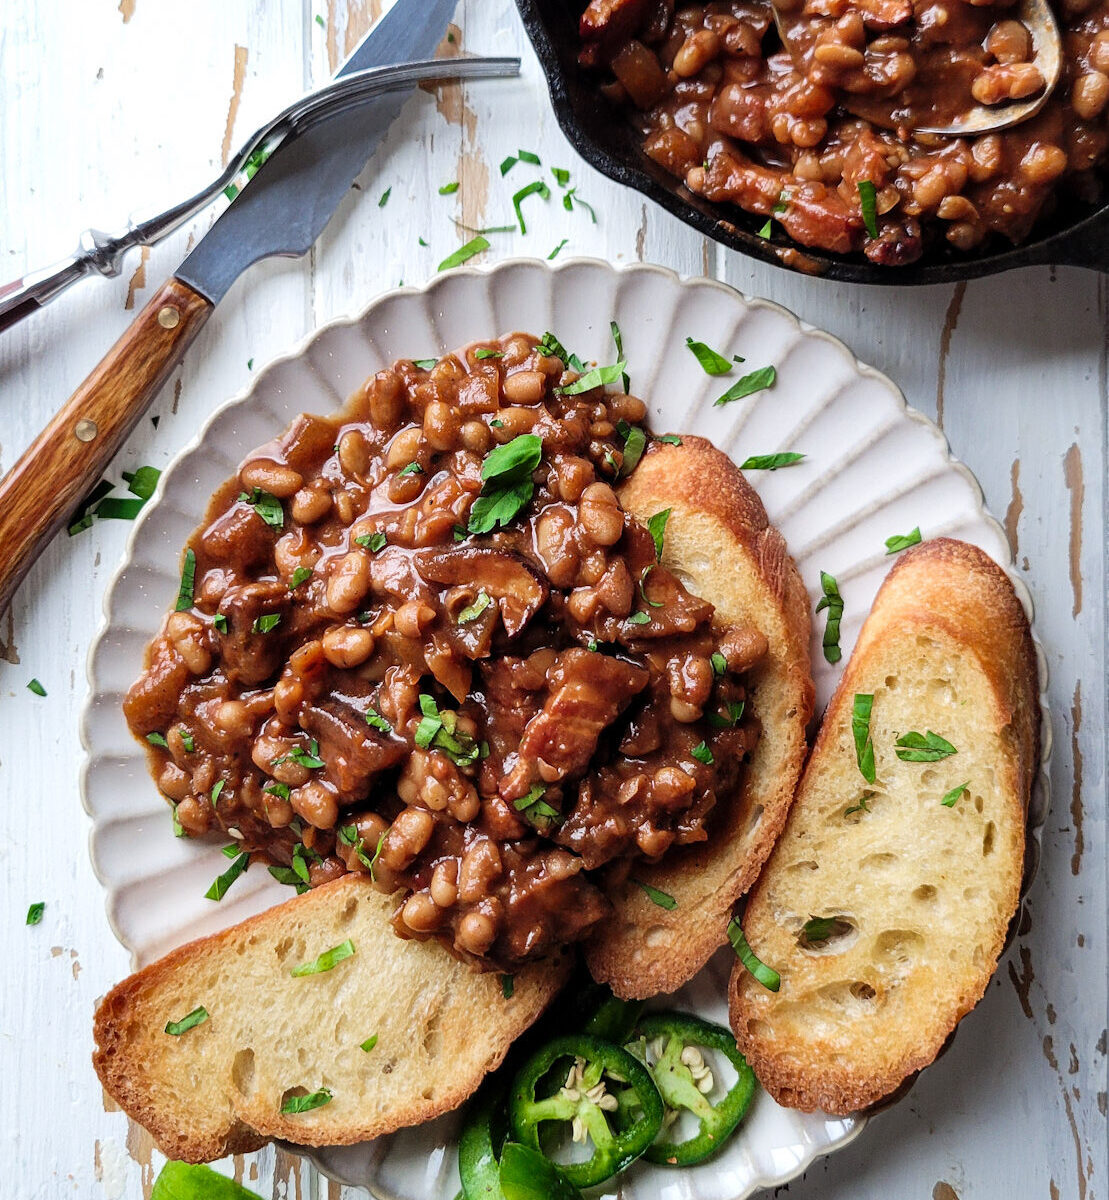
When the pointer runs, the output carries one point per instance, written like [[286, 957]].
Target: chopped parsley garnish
[[593, 645], [766, 230], [217, 789], [534, 809], [157, 739], [448, 189], [711, 362], [861, 806], [303, 1104], [507, 485], [36, 687], [923, 747], [472, 611], [538, 187], [551, 347], [703, 754], [861, 709], [770, 462], [326, 961], [568, 200], [952, 796], [34, 913], [266, 623], [376, 721], [671, 439], [507, 164], [656, 527], [320, 21], [85, 514], [280, 790], [309, 758], [719, 663], [483, 352], [373, 541], [197, 1017], [219, 888], [348, 835], [369, 1043], [554, 253], [529, 156], [767, 976], [508, 986], [300, 575], [421, 242], [178, 828], [413, 468], [818, 929], [142, 481], [868, 202], [899, 542], [290, 878], [464, 253], [643, 588], [385, 197], [662, 899], [635, 442], [833, 602], [735, 713], [115, 508], [188, 579], [220, 622], [186, 739], [266, 505], [598, 377], [425, 364], [756, 381], [250, 364], [438, 729], [639, 618], [561, 176], [618, 342]]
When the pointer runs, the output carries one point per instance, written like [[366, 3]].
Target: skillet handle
[[64, 462]]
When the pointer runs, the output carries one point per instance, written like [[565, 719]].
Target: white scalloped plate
[[873, 468]]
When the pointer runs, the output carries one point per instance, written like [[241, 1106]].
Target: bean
[[600, 515], [311, 504], [839, 57], [1010, 42], [525, 387], [276, 478], [476, 932], [347, 646], [355, 453], [1089, 94], [410, 833], [1043, 162], [441, 425], [555, 546], [315, 803], [412, 618], [404, 448], [444, 883], [194, 815], [481, 865], [699, 49], [325, 872], [233, 718], [174, 782], [476, 437], [349, 582], [386, 400], [420, 913]]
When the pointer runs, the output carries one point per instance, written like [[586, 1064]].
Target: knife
[[281, 211]]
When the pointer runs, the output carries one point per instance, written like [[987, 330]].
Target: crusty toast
[[719, 542], [885, 905], [219, 1087]]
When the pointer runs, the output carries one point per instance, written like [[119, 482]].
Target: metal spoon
[[976, 119]]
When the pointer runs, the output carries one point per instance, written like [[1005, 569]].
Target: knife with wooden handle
[[282, 211]]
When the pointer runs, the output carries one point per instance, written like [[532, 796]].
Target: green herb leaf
[[464, 253], [770, 462], [656, 527], [711, 362], [818, 929], [507, 164], [766, 230], [618, 341], [643, 588], [369, 1043], [326, 961], [662, 899], [635, 442], [376, 721], [448, 189], [374, 542], [84, 514], [735, 714], [197, 1017], [309, 758], [413, 468], [529, 156], [756, 381], [425, 364], [598, 377], [561, 176], [220, 622], [923, 747], [178, 828], [767, 976], [533, 808], [34, 913], [860, 807], [217, 788], [833, 602], [703, 754], [157, 739], [188, 578], [472, 611], [538, 187], [230, 850], [861, 709], [952, 796], [320, 21], [36, 687], [290, 878], [719, 663], [868, 201], [639, 618], [897, 543], [266, 623], [280, 790], [142, 481], [571, 197], [385, 197], [554, 253], [116, 508], [671, 439], [266, 505], [483, 352], [506, 482], [181, 1181], [186, 739], [300, 575], [508, 986], [303, 1104], [219, 888]]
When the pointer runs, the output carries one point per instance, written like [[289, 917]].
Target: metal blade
[[295, 193]]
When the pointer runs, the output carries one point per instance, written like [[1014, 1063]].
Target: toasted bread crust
[[154, 1077], [947, 590], [718, 540]]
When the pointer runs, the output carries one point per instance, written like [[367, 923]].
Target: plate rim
[[1041, 786]]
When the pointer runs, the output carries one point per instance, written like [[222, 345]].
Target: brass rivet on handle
[[168, 317], [85, 430]]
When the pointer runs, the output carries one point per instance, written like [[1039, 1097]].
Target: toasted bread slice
[[218, 1088], [921, 892], [719, 542]]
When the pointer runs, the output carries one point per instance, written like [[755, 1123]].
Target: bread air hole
[[941, 691], [988, 839], [242, 1072], [806, 864], [854, 997], [875, 862], [821, 935], [899, 945], [925, 893]]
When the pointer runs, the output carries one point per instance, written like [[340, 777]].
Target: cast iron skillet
[[1075, 235]]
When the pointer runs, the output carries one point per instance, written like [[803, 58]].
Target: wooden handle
[[64, 462]]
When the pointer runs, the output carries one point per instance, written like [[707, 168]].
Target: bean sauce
[[723, 106], [494, 725]]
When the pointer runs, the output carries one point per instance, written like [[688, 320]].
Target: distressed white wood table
[[104, 109]]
